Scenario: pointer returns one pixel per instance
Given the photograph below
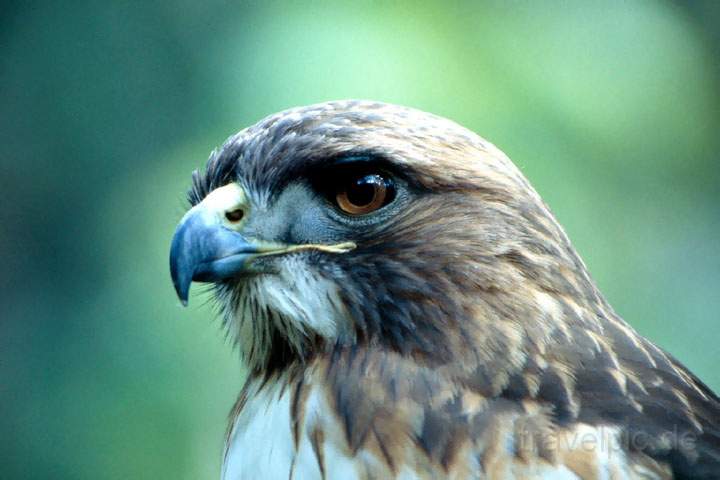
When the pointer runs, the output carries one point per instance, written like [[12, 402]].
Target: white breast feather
[[261, 446]]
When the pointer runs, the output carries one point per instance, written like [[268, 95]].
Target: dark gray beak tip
[[183, 292]]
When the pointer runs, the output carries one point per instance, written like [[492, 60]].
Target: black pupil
[[362, 190]]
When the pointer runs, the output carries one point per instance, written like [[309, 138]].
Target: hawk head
[[357, 222], [414, 260]]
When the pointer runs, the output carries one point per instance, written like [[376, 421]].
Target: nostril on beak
[[234, 215]]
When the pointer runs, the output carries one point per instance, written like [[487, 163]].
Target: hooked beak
[[208, 246], [204, 251]]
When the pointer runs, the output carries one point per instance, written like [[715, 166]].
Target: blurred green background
[[612, 110]]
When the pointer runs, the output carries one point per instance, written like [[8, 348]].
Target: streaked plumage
[[461, 337]]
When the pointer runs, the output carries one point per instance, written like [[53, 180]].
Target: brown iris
[[363, 194]]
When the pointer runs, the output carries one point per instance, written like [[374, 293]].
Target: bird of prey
[[407, 307]]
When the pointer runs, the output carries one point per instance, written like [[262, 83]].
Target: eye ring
[[364, 194]]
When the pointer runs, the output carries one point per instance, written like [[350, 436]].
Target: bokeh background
[[612, 109]]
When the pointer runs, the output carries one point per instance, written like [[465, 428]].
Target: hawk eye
[[363, 194]]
